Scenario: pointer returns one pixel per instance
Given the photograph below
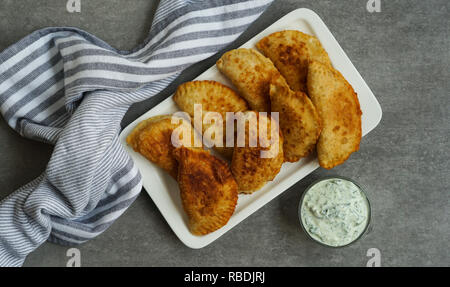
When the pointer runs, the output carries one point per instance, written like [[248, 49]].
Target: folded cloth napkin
[[68, 88]]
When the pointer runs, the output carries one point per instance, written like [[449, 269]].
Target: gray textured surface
[[404, 55]]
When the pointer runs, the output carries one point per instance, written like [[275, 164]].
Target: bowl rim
[[369, 218]]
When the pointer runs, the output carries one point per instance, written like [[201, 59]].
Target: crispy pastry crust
[[251, 73], [250, 170], [214, 97], [208, 190], [338, 107], [291, 51], [299, 120], [152, 139]]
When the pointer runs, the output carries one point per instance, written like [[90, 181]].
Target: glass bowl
[[366, 229]]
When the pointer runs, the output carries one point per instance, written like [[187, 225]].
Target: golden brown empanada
[[153, 139], [253, 167], [251, 73], [208, 190], [299, 120], [291, 51], [214, 97], [340, 113]]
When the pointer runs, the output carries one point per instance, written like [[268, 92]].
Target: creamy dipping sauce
[[335, 212]]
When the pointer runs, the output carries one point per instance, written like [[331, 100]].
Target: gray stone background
[[403, 53]]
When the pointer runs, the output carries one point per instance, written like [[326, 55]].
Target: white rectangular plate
[[163, 189]]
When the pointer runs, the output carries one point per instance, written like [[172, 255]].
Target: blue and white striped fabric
[[68, 88]]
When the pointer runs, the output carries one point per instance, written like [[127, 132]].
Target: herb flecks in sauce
[[335, 212]]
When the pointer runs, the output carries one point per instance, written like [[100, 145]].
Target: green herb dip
[[335, 212]]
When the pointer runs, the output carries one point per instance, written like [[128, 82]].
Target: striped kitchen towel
[[66, 87]]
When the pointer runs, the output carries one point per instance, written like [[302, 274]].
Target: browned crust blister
[[250, 170], [299, 120], [339, 109], [291, 51], [251, 73], [214, 97], [152, 139], [208, 190]]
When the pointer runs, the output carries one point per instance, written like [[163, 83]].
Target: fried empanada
[[290, 51], [253, 167], [299, 120], [153, 139], [251, 73], [340, 113], [214, 97], [208, 190]]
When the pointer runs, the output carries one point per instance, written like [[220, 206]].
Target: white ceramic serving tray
[[163, 189]]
